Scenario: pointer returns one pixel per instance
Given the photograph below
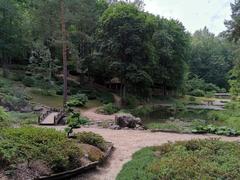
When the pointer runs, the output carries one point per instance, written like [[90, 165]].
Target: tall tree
[[211, 58], [233, 25], [122, 35], [11, 30]]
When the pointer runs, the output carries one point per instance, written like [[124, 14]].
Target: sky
[[194, 14]]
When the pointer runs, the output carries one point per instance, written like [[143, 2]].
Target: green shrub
[[196, 159], [26, 144], [131, 102], [28, 81], [4, 122], [192, 99], [109, 109], [91, 94], [106, 97], [216, 130], [16, 76], [142, 111], [210, 94], [92, 139], [197, 93], [14, 103], [76, 120], [78, 100]]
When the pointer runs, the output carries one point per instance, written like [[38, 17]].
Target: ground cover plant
[[196, 159], [30, 152], [78, 100], [108, 109]]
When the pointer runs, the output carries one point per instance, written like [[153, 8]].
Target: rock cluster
[[127, 121]]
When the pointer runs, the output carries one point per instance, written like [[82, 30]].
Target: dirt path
[[127, 142], [92, 115]]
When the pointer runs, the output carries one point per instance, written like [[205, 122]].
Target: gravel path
[[91, 114], [127, 142]]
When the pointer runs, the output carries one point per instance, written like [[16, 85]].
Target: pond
[[164, 114]]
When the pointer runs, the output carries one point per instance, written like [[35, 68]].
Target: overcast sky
[[194, 14]]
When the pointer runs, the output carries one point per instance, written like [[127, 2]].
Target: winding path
[[127, 142], [92, 115]]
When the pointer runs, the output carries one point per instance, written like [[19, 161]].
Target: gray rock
[[115, 127], [127, 121]]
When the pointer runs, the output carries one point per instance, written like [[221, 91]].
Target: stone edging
[[83, 169]]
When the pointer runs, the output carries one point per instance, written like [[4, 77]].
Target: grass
[[196, 159], [17, 118], [175, 126], [47, 100]]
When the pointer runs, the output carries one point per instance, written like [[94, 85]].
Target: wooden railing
[[58, 117]]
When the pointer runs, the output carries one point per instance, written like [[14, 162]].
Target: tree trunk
[[64, 54]]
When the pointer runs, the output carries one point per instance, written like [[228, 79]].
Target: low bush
[[142, 111], [196, 159], [76, 120], [174, 126], [108, 109], [4, 122], [197, 93], [131, 102], [78, 100], [14, 103], [192, 99], [21, 145], [28, 81], [106, 97], [92, 139], [209, 94], [216, 130]]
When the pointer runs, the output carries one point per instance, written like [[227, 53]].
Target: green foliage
[[234, 80], [233, 25], [4, 118], [216, 130], [109, 109], [131, 101], [78, 100], [192, 99], [92, 139], [197, 93], [76, 120], [207, 159], [28, 81], [211, 58], [106, 97], [196, 86], [142, 111], [20, 119], [29, 144]]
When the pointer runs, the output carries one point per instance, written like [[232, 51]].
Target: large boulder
[[127, 120]]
